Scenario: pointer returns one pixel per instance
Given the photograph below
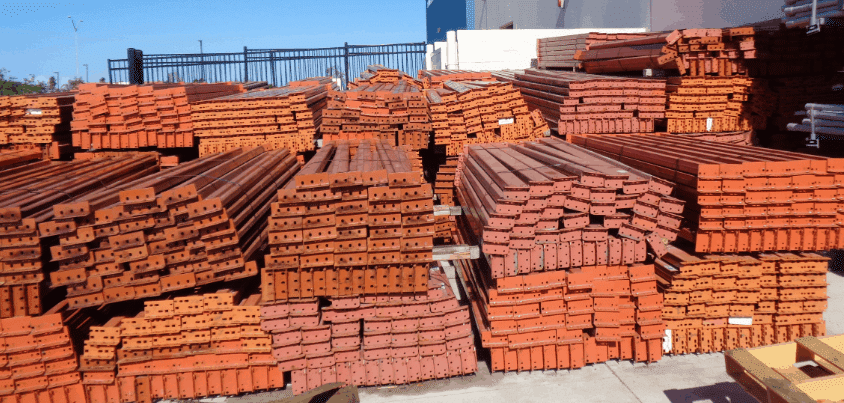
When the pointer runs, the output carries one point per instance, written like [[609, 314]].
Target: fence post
[[346, 57], [245, 66], [136, 66], [272, 67]]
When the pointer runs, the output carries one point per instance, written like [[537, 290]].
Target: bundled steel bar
[[739, 198], [38, 120], [578, 103], [201, 222], [286, 117], [357, 219], [694, 52], [476, 112], [373, 340], [28, 195], [558, 52], [138, 116], [722, 302], [203, 342], [388, 106], [565, 233]]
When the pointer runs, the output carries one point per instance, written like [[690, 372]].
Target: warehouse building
[[653, 15]]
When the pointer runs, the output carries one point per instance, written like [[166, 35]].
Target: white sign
[[33, 112], [709, 124], [741, 321], [508, 121], [666, 341]]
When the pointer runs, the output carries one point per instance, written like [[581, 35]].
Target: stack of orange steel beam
[[578, 103], [444, 190], [388, 106], [42, 120], [717, 104], [740, 198], [478, 112], [14, 158], [558, 52], [383, 339], [357, 226], [286, 117], [739, 137], [357, 219], [200, 222], [693, 52], [746, 138], [183, 348], [139, 116], [28, 195], [723, 302], [40, 363], [376, 73], [565, 232], [437, 78]]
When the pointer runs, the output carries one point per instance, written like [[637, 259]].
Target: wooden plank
[[740, 361]]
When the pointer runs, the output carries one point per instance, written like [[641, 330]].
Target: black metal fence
[[276, 66]]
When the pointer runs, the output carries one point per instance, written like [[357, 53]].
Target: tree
[[102, 80], [72, 84], [51, 84], [12, 86]]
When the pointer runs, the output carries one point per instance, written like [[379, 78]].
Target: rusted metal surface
[[694, 52], [741, 199], [15, 158], [28, 195], [553, 195], [384, 104], [286, 117], [577, 103], [723, 302], [476, 112], [558, 52], [201, 222], [565, 233], [185, 348], [392, 338], [357, 219], [717, 104], [41, 363], [41, 120], [138, 116]]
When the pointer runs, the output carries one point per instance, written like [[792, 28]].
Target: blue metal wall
[[444, 15]]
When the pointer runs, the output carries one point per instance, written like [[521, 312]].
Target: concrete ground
[[675, 379]]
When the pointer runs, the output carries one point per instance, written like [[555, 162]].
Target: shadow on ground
[[836, 262], [724, 392]]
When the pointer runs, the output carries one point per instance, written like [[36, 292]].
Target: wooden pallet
[[808, 370]]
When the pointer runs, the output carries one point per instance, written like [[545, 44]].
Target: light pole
[[201, 61], [86, 72], [76, 41]]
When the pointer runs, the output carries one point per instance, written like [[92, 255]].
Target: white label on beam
[[741, 321]]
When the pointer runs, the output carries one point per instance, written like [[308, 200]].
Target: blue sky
[[38, 38]]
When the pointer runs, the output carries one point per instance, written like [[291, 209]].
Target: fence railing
[[276, 66]]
